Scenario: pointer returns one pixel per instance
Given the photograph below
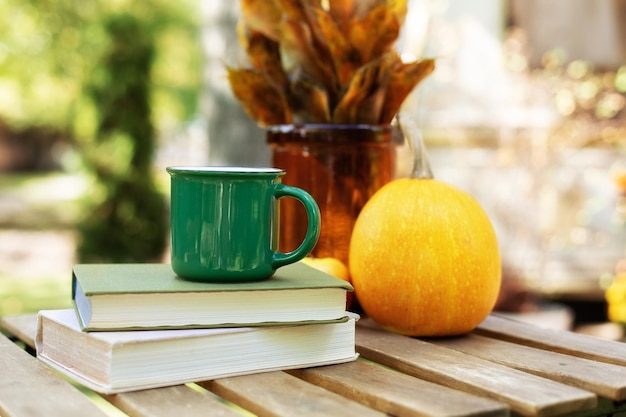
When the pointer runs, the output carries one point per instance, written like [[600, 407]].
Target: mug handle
[[313, 225]]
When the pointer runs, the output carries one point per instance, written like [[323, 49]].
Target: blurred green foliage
[[116, 75], [49, 48], [32, 295], [128, 221]]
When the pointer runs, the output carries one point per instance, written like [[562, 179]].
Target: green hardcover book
[[151, 296]]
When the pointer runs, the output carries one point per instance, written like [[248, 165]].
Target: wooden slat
[[604, 379], [278, 394], [179, 401], [526, 394], [29, 389], [562, 341], [399, 394], [144, 403], [22, 326]]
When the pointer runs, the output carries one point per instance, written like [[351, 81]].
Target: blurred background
[[526, 111]]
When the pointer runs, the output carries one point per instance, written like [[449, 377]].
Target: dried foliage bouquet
[[315, 61]]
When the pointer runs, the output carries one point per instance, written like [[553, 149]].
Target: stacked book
[[139, 326]]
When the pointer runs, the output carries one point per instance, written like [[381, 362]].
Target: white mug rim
[[223, 170]]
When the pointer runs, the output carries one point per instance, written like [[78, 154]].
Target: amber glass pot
[[341, 166]]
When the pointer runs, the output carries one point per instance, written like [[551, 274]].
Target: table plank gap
[[526, 394], [24, 381], [23, 327], [606, 380], [278, 394], [399, 394], [562, 341]]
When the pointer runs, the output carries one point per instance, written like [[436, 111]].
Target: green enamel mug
[[225, 220]]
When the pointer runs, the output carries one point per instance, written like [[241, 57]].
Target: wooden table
[[504, 367]]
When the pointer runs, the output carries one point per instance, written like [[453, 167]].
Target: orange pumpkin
[[424, 259]]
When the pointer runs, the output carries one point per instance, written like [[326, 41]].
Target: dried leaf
[[303, 11], [370, 108], [331, 64], [376, 33], [342, 11], [264, 55], [259, 99], [263, 16], [296, 9], [365, 85], [399, 9], [345, 58], [301, 55], [404, 78], [363, 7], [313, 106]]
